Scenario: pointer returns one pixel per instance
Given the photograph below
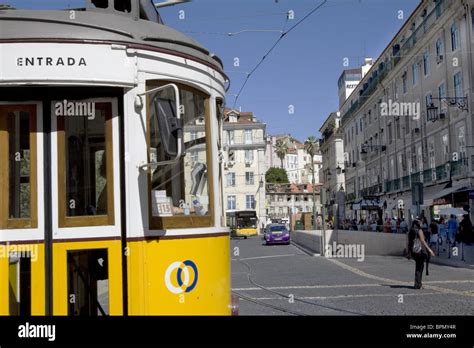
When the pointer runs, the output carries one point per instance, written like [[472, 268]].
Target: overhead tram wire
[[273, 47]]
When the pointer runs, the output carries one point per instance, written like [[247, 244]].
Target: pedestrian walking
[[393, 225], [403, 226], [465, 230], [419, 250], [443, 231], [452, 229]]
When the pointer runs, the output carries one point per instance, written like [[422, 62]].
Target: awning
[[446, 192], [357, 205], [372, 204]]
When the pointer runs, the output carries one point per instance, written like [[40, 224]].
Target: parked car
[[277, 234]]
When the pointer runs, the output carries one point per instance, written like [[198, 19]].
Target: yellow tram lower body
[[148, 282]]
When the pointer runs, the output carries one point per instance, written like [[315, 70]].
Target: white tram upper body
[[110, 130]]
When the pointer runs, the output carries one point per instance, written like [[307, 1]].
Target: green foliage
[[276, 175]]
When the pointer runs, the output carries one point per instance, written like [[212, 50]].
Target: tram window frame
[[5, 221], [182, 221], [86, 220]]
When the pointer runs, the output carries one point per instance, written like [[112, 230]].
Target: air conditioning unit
[[439, 58], [229, 163], [416, 130], [354, 164], [248, 163], [442, 115]]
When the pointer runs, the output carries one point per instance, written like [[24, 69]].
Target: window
[[123, 5], [455, 40], [426, 62], [461, 142], [184, 186], [18, 199], [248, 156], [458, 90], [250, 202], [390, 136], [439, 50], [428, 99], [19, 283], [231, 179], [404, 83], [230, 137], [85, 169], [100, 3], [249, 178], [248, 136], [445, 141], [431, 154], [88, 282], [442, 90], [414, 71], [231, 203]]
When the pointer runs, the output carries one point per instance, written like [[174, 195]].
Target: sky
[[301, 73]]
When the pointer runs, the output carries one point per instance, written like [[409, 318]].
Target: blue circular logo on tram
[[185, 280]]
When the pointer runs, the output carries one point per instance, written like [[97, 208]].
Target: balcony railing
[[406, 181], [428, 176]]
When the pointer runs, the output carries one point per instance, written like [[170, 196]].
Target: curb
[[455, 264], [303, 249]]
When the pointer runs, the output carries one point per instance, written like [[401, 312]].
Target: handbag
[[416, 248]]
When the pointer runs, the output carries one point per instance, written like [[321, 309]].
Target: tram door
[[60, 234], [86, 252], [21, 239]]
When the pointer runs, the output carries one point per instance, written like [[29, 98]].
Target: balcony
[[406, 181], [428, 176]]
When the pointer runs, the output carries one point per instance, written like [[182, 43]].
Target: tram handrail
[[179, 152]]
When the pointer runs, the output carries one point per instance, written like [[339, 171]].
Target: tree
[[311, 145], [281, 149], [276, 175]]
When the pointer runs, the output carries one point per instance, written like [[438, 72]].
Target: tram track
[[297, 299]]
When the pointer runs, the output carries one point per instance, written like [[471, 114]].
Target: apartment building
[[333, 170], [407, 127], [297, 161]]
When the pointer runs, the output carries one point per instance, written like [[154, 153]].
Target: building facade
[[333, 169], [291, 199], [297, 161], [244, 163], [407, 127], [284, 200]]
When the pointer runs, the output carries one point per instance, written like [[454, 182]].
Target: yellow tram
[[110, 179]]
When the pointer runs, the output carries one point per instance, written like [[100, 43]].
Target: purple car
[[277, 234]]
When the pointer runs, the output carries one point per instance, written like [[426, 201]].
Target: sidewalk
[[455, 260]]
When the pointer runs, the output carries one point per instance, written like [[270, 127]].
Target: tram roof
[[101, 25]]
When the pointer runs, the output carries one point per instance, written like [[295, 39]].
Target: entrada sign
[[50, 61]]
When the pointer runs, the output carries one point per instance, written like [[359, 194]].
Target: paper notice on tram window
[[162, 205]]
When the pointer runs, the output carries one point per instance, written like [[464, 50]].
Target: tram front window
[[184, 185]]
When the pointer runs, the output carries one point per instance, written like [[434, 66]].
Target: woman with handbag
[[419, 250]]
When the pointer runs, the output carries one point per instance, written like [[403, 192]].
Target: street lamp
[[432, 111]]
